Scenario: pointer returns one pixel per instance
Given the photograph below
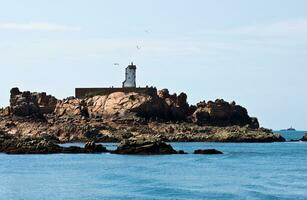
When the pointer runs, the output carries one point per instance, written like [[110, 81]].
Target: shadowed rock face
[[120, 104], [118, 116], [144, 146], [222, 113], [177, 106], [163, 106], [13, 145], [207, 151], [92, 147], [30, 104], [29, 145]]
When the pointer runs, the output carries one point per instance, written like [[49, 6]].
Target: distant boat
[[288, 129]]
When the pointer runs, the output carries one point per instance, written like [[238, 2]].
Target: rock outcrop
[[144, 146], [222, 113], [118, 116], [187, 132], [30, 104], [177, 106], [71, 107], [162, 105], [29, 145], [304, 139], [94, 148], [120, 104], [207, 151]]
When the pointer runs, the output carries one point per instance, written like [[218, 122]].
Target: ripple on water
[[245, 171]]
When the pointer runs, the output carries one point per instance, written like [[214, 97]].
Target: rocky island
[[123, 115]]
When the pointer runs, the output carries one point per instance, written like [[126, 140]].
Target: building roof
[[132, 66]]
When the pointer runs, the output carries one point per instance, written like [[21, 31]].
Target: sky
[[252, 52]]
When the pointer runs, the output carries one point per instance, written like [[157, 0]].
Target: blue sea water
[[292, 135], [245, 171]]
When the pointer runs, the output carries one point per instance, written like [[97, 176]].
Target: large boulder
[[94, 148], [23, 103], [207, 151], [46, 103], [304, 138], [30, 104], [121, 104], [115, 104], [95, 106], [178, 108], [144, 146], [222, 113], [71, 107], [162, 105], [143, 105]]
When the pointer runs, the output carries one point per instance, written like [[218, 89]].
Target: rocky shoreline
[[120, 116], [132, 146]]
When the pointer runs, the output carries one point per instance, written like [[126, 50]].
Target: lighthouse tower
[[130, 77]]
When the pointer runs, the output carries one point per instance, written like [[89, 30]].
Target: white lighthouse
[[130, 77]]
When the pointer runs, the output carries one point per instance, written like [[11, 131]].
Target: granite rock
[[144, 146], [207, 151]]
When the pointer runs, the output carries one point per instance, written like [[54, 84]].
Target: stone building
[[129, 85], [130, 77]]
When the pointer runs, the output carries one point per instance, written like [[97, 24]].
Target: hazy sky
[[253, 52]]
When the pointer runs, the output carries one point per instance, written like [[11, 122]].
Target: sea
[[244, 171]]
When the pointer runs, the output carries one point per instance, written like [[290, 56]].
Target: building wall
[[89, 92], [130, 77]]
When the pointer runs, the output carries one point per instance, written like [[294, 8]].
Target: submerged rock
[[292, 140], [144, 147], [207, 151]]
